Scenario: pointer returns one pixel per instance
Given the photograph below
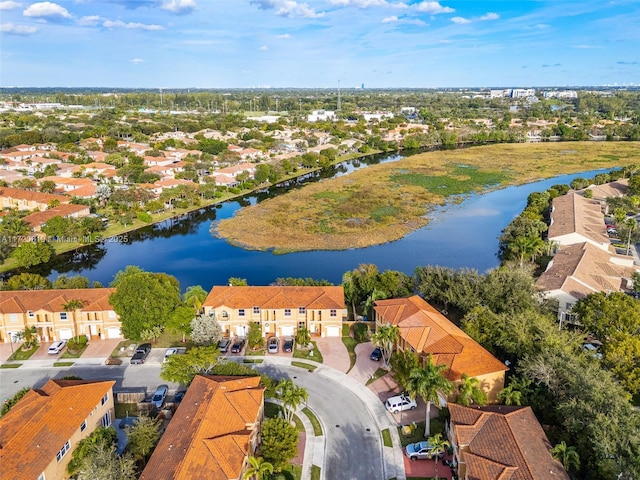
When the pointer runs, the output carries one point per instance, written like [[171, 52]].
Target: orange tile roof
[[208, 436], [323, 297], [21, 301], [37, 427], [38, 219], [500, 442], [431, 333], [40, 197]]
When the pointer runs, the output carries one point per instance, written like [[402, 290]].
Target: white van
[[400, 403]]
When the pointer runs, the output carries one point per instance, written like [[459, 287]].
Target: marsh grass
[[385, 202]]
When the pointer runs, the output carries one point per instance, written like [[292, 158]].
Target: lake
[[462, 235]]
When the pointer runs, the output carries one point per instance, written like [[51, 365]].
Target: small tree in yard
[[103, 463], [254, 337], [303, 337], [291, 396], [10, 402], [29, 337], [279, 442], [440, 446], [102, 435], [205, 330], [257, 469], [143, 436], [183, 368]]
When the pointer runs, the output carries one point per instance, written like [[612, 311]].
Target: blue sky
[[318, 43]]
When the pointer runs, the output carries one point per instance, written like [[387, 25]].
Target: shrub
[[144, 217], [360, 332], [77, 343]]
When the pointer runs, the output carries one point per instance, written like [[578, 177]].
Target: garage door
[[241, 330], [333, 331], [65, 333], [113, 332], [287, 331]]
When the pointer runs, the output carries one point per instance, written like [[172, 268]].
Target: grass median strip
[[315, 472], [63, 364], [317, 428], [386, 438], [10, 365], [306, 366]]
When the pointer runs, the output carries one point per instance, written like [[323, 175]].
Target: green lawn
[[21, 354], [315, 472], [123, 410], [377, 374], [306, 366], [350, 343], [10, 365], [317, 428], [252, 360], [305, 354], [62, 364], [417, 435], [76, 354], [273, 410], [386, 438]]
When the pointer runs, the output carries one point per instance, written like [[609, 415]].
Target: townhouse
[[28, 199], [279, 310], [212, 433], [427, 332], [498, 442], [53, 315], [41, 431], [37, 220]]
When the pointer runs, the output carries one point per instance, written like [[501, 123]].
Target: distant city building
[[321, 115], [523, 92], [561, 94]]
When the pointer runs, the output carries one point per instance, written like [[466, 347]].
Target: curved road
[[353, 445]]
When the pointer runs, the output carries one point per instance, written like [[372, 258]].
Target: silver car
[[159, 396], [273, 345]]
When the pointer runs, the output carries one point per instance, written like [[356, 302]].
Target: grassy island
[[385, 202]]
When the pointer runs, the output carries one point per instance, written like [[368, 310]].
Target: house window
[[30, 313], [83, 426], [63, 451], [63, 315], [333, 313], [256, 310], [302, 325], [106, 420], [302, 310], [41, 476], [224, 314], [105, 398], [13, 317], [569, 306], [241, 312], [287, 312]]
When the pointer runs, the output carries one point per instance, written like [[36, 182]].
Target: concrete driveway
[[334, 353], [364, 367]]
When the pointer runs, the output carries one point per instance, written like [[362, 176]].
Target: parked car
[[287, 346], [376, 355], [238, 345], [177, 398], [421, 451], [273, 345], [223, 344], [159, 396], [168, 353], [400, 403], [142, 352], [56, 347], [127, 422]]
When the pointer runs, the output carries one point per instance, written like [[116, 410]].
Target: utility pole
[[338, 95]]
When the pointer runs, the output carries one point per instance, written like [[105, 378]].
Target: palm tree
[[568, 456], [257, 468], [427, 383], [194, 296], [510, 396], [291, 396], [630, 224], [439, 445], [528, 248], [385, 337], [470, 391], [73, 306]]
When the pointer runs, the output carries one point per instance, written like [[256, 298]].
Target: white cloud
[[180, 6], [46, 9], [489, 16], [9, 5], [433, 8], [130, 25], [359, 3], [137, 61], [460, 20], [17, 29], [89, 21], [263, 48], [288, 8], [284, 35], [390, 19]]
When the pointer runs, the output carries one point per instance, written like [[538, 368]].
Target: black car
[[177, 398], [287, 346], [376, 355], [237, 346], [142, 352]]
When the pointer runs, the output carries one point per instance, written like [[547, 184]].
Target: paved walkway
[[334, 353], [364, 367]]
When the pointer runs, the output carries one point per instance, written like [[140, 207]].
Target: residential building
[[581, 269], [212, 433], [37, 220], [41, 431], [28, 199], [575, 219], [45, 310], [498, 442], [279, 310], [428, 333]]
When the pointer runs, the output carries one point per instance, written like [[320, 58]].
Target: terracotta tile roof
[[429, 332], [573, 213], [325, 297], [500, 442], [40, 197], [582, 269], [38, 219], [21, 301], [37, 427], [208, 436]]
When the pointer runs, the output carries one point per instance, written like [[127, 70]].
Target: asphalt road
[[353, 443]]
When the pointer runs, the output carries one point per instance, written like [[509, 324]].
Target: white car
[[400, 403], [57, 347], [169, 352]]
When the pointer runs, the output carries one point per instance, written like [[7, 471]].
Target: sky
[[319, 43]]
